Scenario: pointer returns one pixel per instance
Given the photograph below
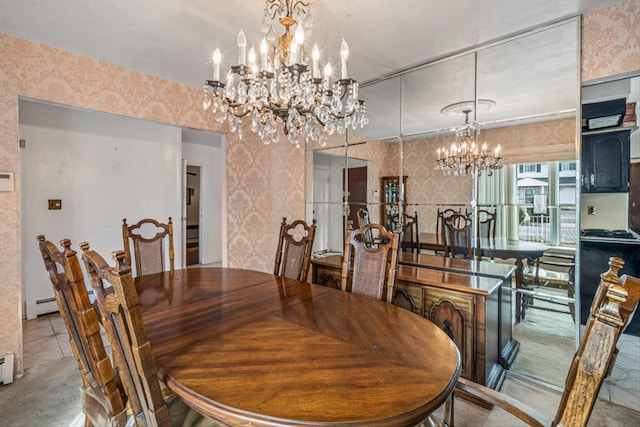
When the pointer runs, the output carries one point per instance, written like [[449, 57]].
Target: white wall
[[207, 150], [104, 168]]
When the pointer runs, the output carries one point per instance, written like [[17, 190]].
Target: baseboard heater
[[6, 369], [41, 306]]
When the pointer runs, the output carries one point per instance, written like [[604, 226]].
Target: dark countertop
[[610, 240]]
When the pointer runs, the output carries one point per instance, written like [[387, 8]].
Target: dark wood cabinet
[[390, 208], [605, 162], [594, 255], [634, 196]]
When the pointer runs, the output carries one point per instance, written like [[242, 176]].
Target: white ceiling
[[174, 39]]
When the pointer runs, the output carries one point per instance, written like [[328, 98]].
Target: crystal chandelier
[[280, 84], [465, 156]]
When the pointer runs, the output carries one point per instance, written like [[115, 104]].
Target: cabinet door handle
[[581, 180], [592, 179]]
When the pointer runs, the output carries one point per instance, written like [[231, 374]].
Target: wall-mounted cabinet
[[605, 162]]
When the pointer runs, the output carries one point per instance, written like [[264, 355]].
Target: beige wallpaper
[[611, 41], [264, 183]]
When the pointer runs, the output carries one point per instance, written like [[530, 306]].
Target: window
[[532, 168], [567, 166], [547, 202]]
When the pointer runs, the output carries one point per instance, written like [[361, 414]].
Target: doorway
[[192, 209], [357, 192]]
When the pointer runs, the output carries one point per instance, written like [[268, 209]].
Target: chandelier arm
[[272, 7]]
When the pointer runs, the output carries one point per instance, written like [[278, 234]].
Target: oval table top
[[250, 348]]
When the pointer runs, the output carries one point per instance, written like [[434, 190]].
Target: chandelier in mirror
[[464, 155], [282, 84]]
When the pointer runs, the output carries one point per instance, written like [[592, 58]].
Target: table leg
[[519, 280]]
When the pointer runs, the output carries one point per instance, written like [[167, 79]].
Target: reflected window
[[547, 202]]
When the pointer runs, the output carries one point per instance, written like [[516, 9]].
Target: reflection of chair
[[132, 350], [293, 256], [363, 218], [458, 230], [441, 215], [411, 234], [487, 224], [371, 263], [102, 402], [148, 237], [612, 309], [553, 271]]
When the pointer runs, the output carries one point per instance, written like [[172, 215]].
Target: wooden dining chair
[[363, 217], [152, 242], [368, 263], [132, 350], [293, 256], [612, 309], [102, 402], [410, 234], [552, 272], [487, 223], [458, 232], [441, 215]]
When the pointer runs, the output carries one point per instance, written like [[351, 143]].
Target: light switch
[[55, 204]]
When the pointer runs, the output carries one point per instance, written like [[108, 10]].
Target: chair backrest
[[293, 256], [102, 402], [123, 323], [411, 234], [440, 217], [363, 217], [150, 239], [487, 223], [371, 262], [611, 311], [458, 231]]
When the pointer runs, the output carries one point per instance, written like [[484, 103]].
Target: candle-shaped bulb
[[252, 57], [344, 54], [315, 55], [298, 37], [293, 54], [263, 54], [217, 58], [497, 152], [327, 73], [242, 48], [484, 148], [438, 150]]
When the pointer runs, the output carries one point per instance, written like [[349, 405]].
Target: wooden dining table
[[250, 348], [496, 248]]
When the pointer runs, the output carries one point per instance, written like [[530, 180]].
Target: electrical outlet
[[591, 210]]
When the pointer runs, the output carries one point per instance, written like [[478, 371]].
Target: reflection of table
[[496, 248], [470, 300], [250, 348]]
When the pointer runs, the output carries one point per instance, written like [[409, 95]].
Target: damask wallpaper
[[264, 183], [611, 41]]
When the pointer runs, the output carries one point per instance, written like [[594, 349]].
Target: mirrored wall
[[523, 93]]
